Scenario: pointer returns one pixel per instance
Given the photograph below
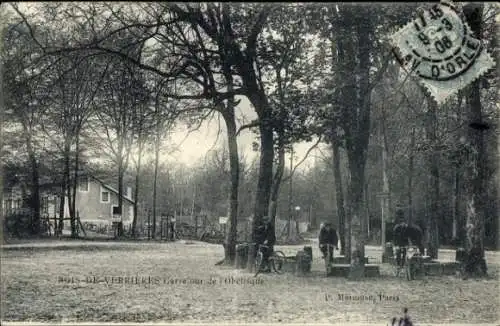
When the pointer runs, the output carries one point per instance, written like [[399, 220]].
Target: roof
[[48, 184], [110, 188]]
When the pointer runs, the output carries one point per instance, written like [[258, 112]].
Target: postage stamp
[[439, 49]]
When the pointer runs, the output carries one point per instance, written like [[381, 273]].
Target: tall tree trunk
[[339, 195], [357, 225], [386, 186], [137, 184], [2, 109], [279, 128], [455, 204], [385, 203], [290, 196], [65, 184], [367, 209], [121, 172], [35, 195], [69, 183], [477, 156], [410, 177], [458, 225], [434, 214], [357, 145], [34, 198], [234, 166], [265, 178], [313, 222], [62, 202], [227, 112], [278, 176], [74, 230], [155, 182]]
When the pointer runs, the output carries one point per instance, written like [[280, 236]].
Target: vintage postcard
[[249, 163]]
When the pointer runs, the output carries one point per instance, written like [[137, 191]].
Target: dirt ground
[[163, 282]]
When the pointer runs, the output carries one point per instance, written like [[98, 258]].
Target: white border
[[233, 324]]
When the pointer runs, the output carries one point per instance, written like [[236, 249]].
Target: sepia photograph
[[184, 163]]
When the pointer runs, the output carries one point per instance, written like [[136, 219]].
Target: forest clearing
[[32, 290]]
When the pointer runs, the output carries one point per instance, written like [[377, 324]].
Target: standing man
[[399, 236], [267, 237], [171, 222], [327, 240]]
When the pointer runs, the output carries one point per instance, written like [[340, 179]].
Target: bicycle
[[408, 266], [329, 258], [472, 264], [276, 260]]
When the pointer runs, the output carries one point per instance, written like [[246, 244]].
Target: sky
[[193, 147]]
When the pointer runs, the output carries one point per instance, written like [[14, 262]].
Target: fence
[[202, 229]]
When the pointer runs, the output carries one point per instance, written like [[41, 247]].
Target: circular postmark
[[438, 44]]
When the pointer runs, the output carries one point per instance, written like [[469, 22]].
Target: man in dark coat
[[327, 240], [171, 222], [266, 235], [403, 234]]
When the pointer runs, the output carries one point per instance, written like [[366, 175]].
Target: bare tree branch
[[25, 20], [252, 124], [303, 159]]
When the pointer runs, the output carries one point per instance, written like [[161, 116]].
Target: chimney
[[129, 192]]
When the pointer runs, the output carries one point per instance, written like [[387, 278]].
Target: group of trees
[[310, 72], [61, 111]]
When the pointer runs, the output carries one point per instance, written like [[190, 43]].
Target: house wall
[[88, 204], [91, 209]]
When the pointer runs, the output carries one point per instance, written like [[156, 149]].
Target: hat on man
[[327, 224], [266, 219]]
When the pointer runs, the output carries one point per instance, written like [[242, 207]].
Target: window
[[114, 210], [83, 183], [104, 195]]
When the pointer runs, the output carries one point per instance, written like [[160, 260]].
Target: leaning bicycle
[[473, 263], [276, 260], [408, 265], [329, 258]]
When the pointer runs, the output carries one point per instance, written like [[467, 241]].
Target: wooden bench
[[344, 260], [289, 264], [436, 268], [342, 270], [450, 268]]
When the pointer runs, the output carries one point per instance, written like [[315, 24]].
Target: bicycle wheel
[[409, 271], [258, 263], [277, 260], [461, 273], [396, 269]]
